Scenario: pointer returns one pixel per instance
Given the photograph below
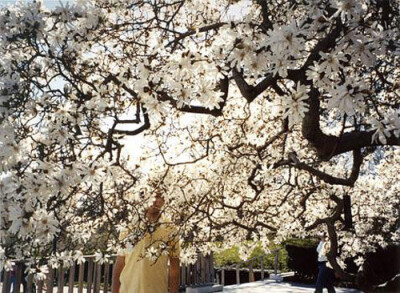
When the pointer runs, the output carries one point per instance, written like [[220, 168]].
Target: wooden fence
[[91, 277], [249, 264]]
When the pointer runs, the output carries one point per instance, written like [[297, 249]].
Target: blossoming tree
[[258, 118]]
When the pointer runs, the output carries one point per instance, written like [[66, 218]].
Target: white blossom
[[295, 105], [152, 253], [381, 132]]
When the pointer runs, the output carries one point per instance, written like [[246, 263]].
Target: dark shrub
[[303, 261], [380, 267]]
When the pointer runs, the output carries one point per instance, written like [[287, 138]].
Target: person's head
[[323, 236], [154, 211]]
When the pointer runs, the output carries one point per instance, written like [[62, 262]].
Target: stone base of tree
[[277, 277]]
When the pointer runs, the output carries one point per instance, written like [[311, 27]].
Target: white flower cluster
[[76, 81], [295, 105], [386, 128]]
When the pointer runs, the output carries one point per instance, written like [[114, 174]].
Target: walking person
[[13, 279], [135, 273], [326, 274]]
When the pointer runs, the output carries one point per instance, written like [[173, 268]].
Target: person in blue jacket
[[326, 274]]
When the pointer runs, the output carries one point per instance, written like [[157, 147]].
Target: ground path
[[270, 286]]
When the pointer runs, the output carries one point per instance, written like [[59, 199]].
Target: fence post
[[202, 268], [209, 279], [60, 287], [276, 261], [97, 279], [212, 271], [89, 275], [193, 274], [80, 279], [223, 276], [29, 283], [262, 267], [18, 277], [237, 274], [50, 281], [106, 273], [183, 276], [189, 275], [40, 286], [71, 278], [251, 273], [6, 281], [198, 270]]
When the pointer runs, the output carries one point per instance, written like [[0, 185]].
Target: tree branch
[[224, 87], [251, 92], [323, 45], [357, 162], [214, 26], [145, 126], [266, 23], [328, 146]]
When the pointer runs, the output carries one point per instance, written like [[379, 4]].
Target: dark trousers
[[325, 278]]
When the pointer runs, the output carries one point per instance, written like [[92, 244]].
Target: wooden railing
[[95, 277], [200, 273], [249, 265]]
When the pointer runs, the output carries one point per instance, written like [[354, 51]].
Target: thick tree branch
[[266, 23], [332, 254], [357, 162], [328, 146], [145, 126], [131, 121], [250, 180], [251, 92], [359, 139]]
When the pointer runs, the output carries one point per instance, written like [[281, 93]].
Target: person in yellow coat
[[141, 271]]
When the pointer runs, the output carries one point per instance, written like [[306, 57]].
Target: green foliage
[[301, 242], [230, 256], [227, 257]]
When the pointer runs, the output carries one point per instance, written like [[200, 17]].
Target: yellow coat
[[144, 273]]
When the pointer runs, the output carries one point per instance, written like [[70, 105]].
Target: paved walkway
[[269, 286]]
